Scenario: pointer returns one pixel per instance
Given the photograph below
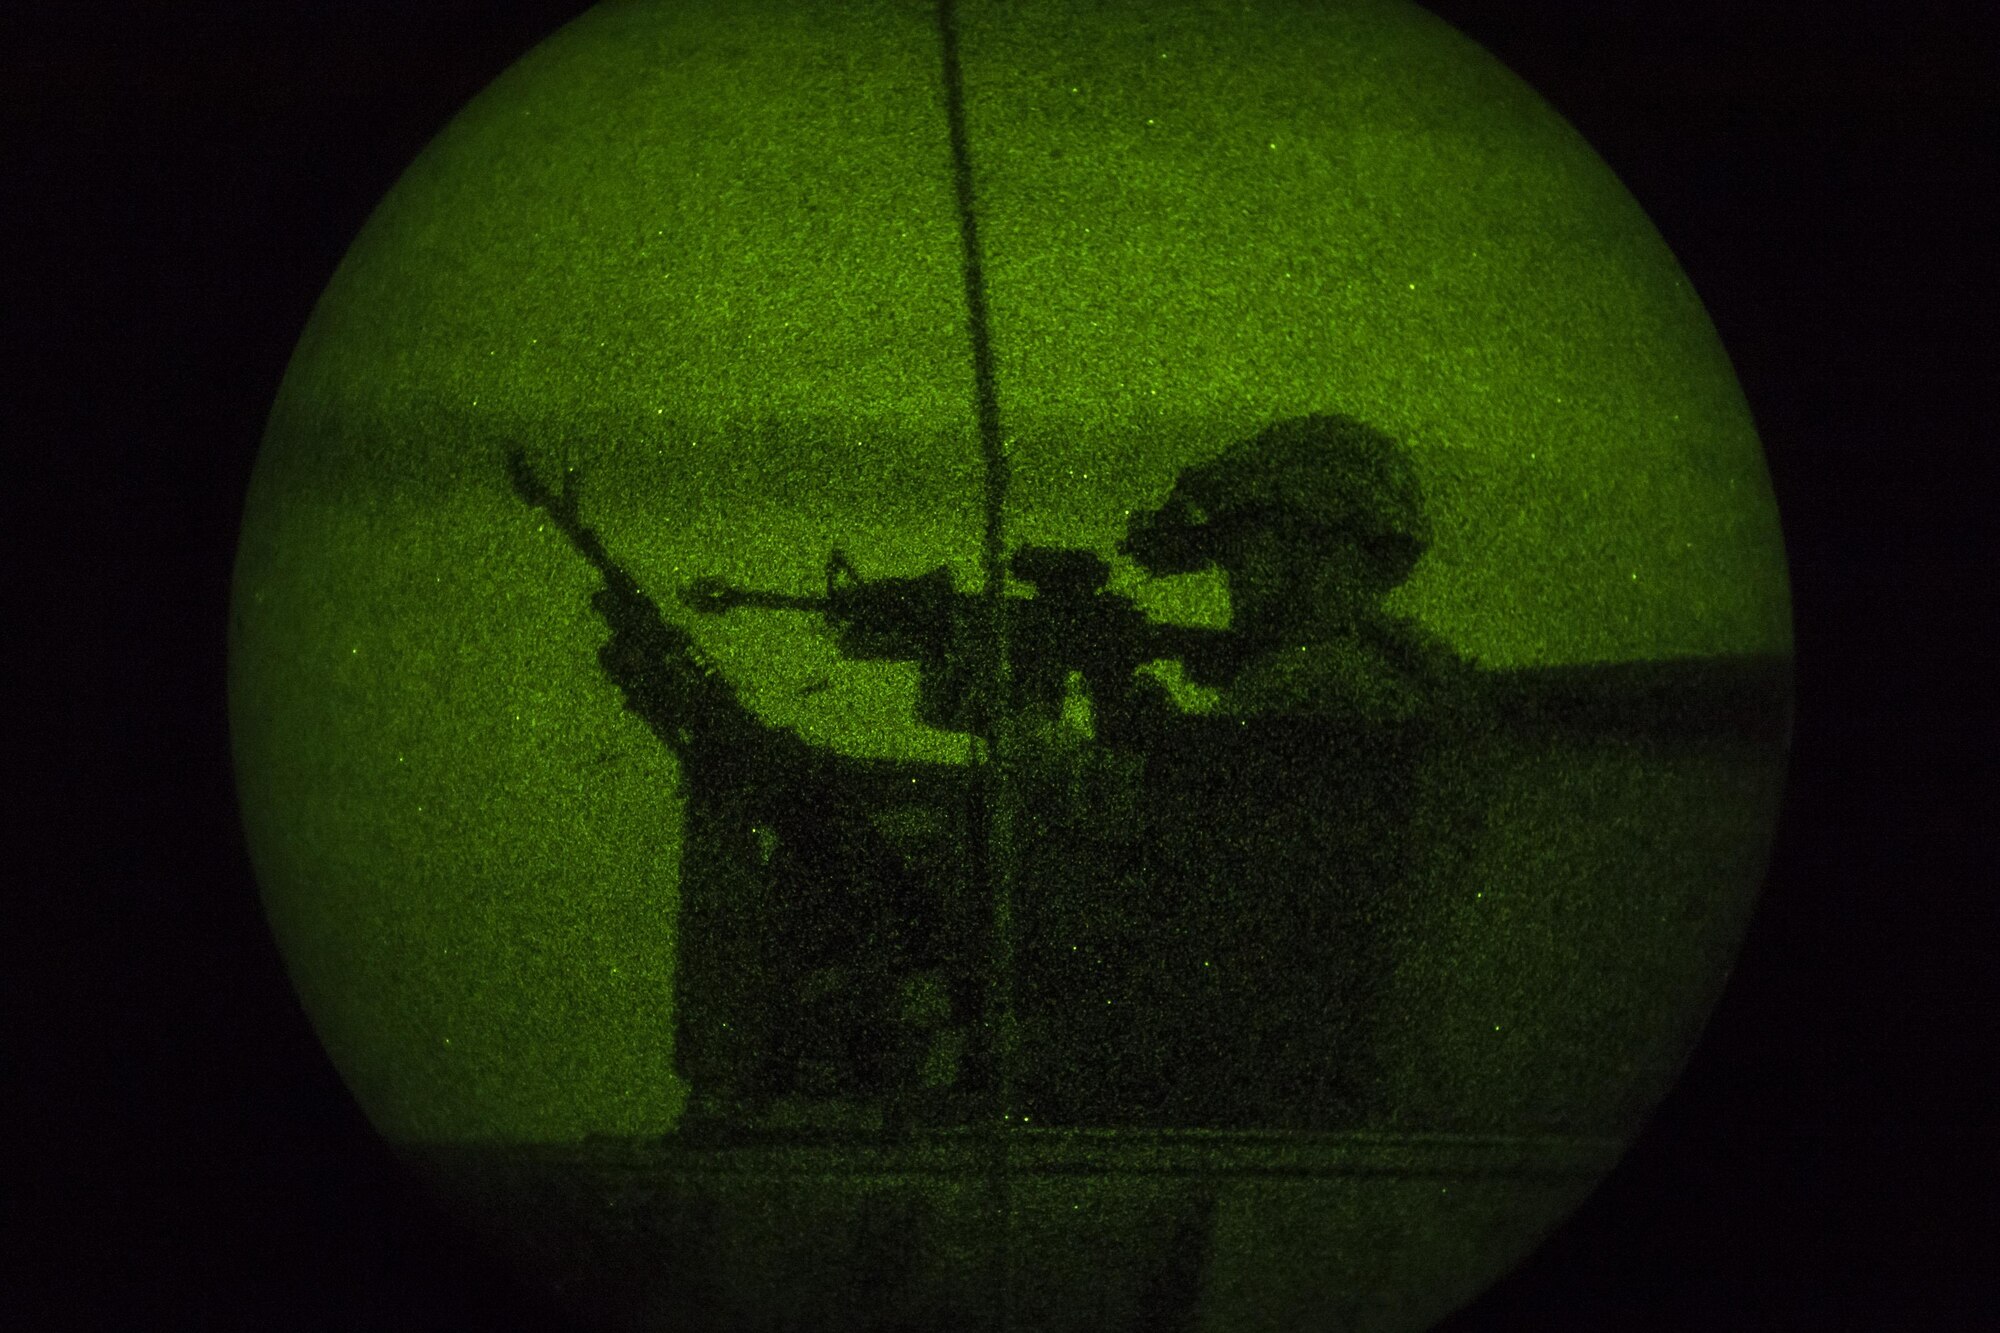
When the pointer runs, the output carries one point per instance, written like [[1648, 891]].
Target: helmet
[[1323, 473]]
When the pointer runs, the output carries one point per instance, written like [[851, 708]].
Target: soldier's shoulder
[[1353, 677], [1417, 650]]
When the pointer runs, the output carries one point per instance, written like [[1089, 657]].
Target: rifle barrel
[[711, 597], [562, 511]]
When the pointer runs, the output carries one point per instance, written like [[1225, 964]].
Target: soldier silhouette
[[1202, 896], [1226, 968]]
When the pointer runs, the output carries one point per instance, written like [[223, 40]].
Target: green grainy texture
[[708, 254], [1573, 931], [1405, 1232], [1200, 218], [467, 847]]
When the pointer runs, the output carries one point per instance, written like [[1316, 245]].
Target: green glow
[[1198, 226], [708, 255], [461, 834]]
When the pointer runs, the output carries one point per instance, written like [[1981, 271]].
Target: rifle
[[920, 619], [1071, 624]]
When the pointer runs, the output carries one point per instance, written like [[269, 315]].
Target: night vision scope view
[[1149, 925], [1010, 667]]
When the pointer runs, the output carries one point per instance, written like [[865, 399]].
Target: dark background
[[189, 175]]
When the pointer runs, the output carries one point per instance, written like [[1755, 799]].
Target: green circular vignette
[[705, 271]]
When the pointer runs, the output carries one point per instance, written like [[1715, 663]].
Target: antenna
[[992, 821]]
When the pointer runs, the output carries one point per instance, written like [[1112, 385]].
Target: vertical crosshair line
[[992, 827]]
